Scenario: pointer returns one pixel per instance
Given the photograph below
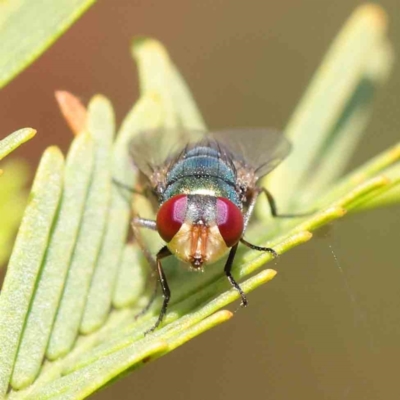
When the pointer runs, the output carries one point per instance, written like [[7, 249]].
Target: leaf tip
[[374, 12], [337, 211], [225, 315], [30, 133], [21, 381], [53, 354], [141, 43], [266, 275], [55, 151], [99, 98]]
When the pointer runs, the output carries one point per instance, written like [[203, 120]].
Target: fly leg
[[250, 209], [229, 263], [228, 273], [274, 210], [126, 190], [124, 186], [259, 248], [163, 253], [150, 302], [137, 223]]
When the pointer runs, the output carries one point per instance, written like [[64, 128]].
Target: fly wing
[[151, 151], [258, 149]]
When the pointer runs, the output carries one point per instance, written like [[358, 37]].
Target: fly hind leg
[[273, 207]]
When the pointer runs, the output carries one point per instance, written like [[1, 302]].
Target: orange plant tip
[[225, 314], [73, 111], [374, 12]]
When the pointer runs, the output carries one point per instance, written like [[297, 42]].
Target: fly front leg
[[137, 223], [228, 273], [163, 253], [259, 248], [252, 202]]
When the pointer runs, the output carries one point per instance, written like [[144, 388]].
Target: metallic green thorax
[[203, 170]]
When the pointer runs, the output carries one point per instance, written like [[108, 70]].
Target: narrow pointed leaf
[[159, 76], [50, 285], [331, 113], [132, 277], [28, 28], [373, 167], [11, 142], [101, 126], [118, 345], [26, 259], [13, 198], [189, 114], [146, 115]]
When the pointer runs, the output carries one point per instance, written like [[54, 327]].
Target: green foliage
[[12, 196], [13, 141], [71, 271], [12, 203], [28, 28]]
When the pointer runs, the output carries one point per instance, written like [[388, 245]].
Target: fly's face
[[199, 229]]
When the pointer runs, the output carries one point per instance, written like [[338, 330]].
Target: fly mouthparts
[[197, 262]]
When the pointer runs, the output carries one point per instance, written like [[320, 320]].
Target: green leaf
[[159, 76], [144, 116], [13, 197], [93, 225], [80, 218], [11, 142], [26, 259], [55, 265], [329, 120], [28, 28]]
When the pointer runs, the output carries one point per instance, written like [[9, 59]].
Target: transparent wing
[[152, 149], [258, 148]]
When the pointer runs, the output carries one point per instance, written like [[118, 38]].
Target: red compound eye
[[229, 221], [171, 216]]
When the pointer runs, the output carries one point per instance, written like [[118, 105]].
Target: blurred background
[[315, 331]]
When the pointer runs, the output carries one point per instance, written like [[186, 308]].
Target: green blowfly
[[205, 184]]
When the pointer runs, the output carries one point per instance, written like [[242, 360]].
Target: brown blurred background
[[313, 332]]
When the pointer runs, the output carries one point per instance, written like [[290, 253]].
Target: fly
[[206, 186]]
